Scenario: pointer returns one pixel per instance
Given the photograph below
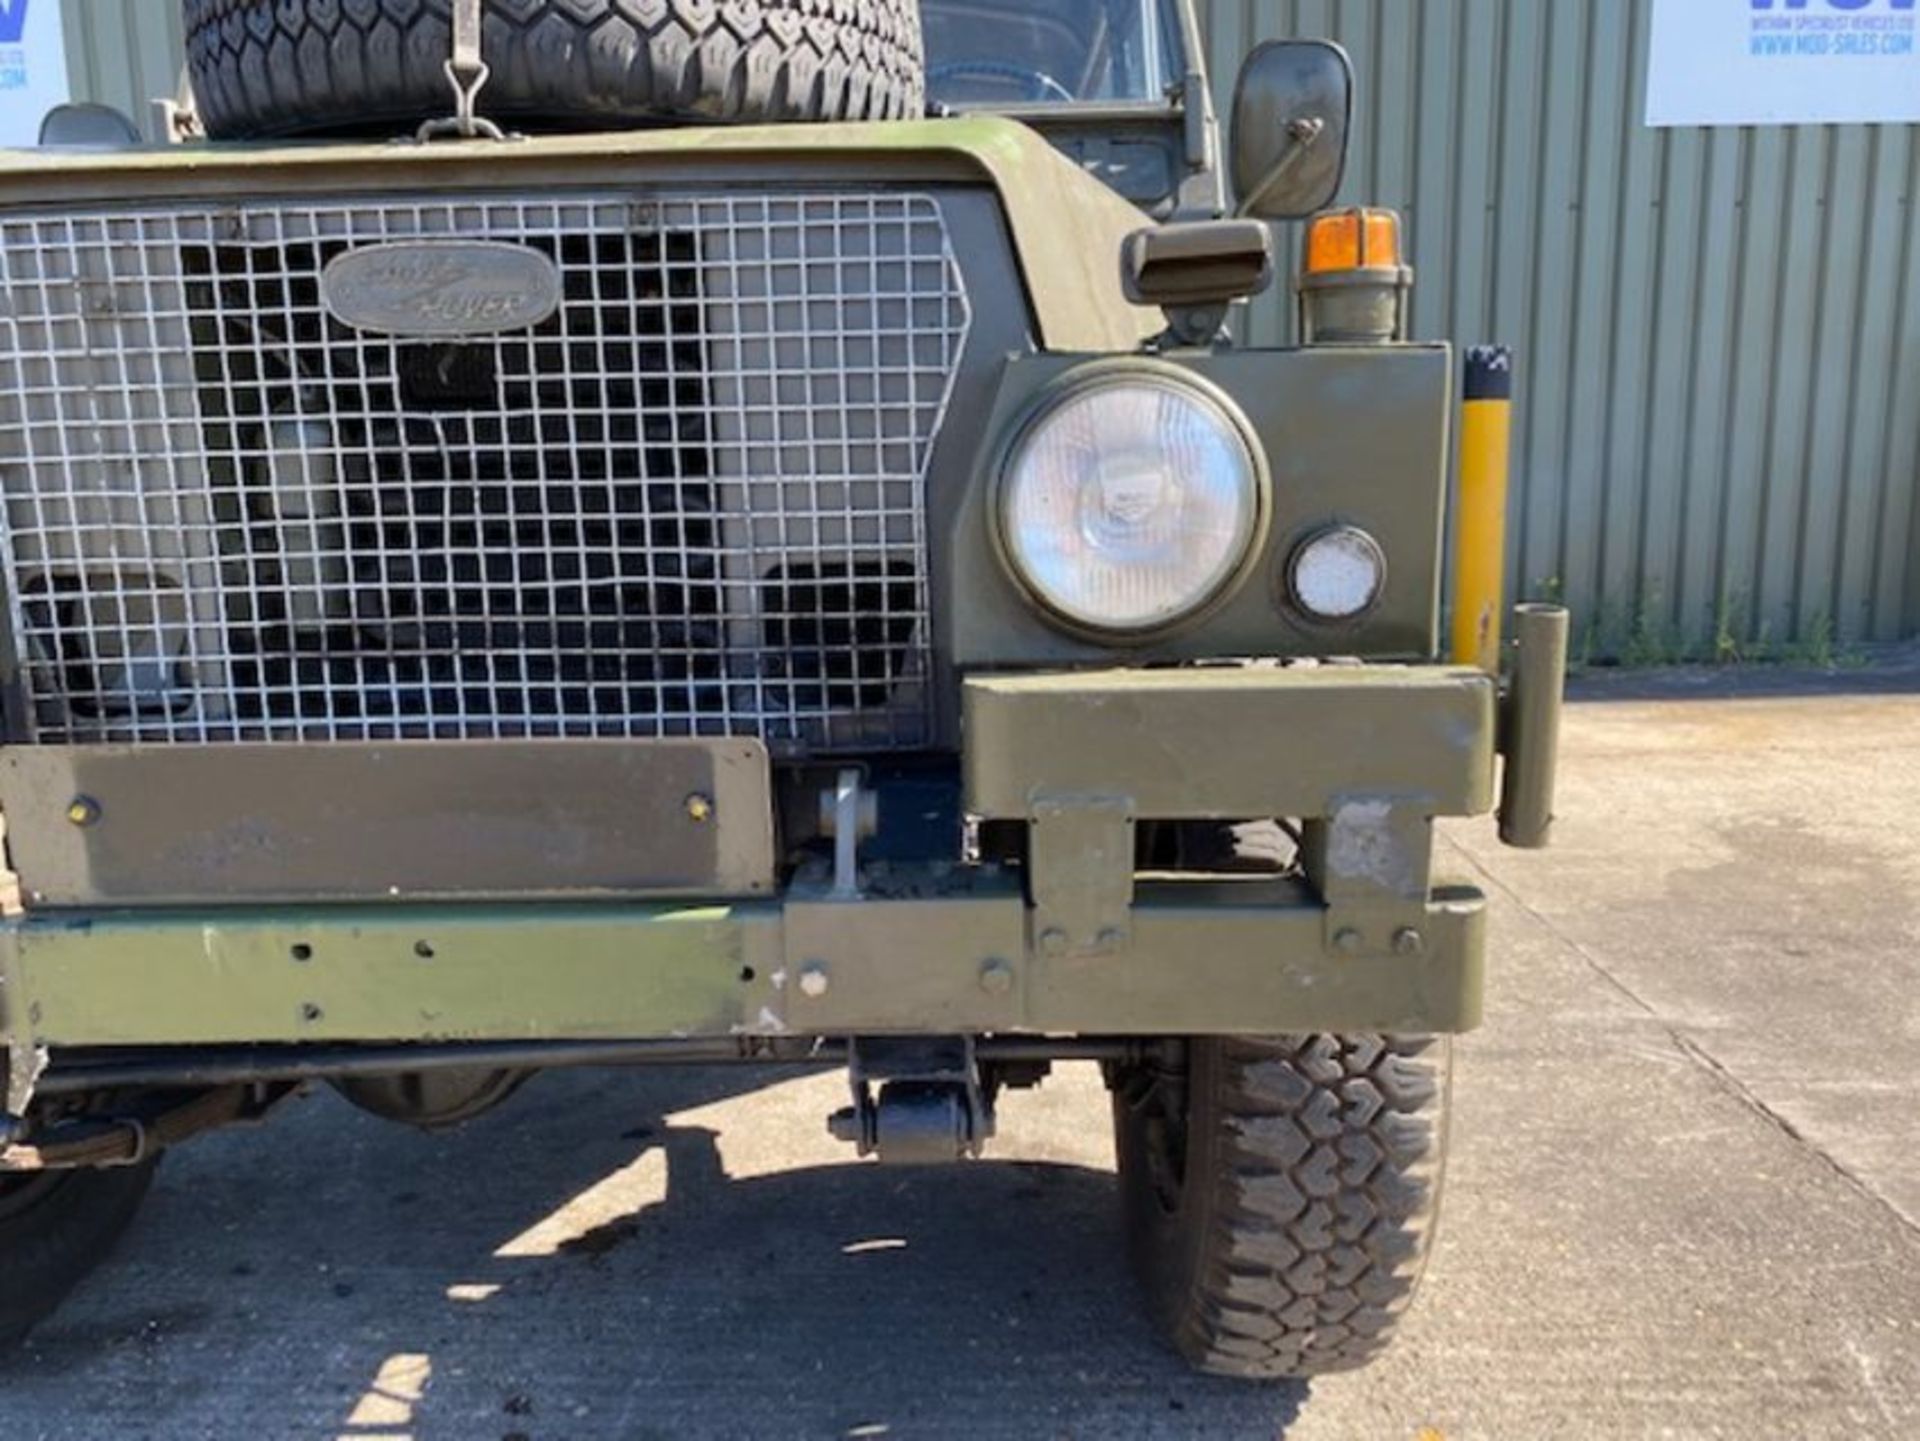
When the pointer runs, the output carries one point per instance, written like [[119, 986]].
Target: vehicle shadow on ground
[[578, 1266]]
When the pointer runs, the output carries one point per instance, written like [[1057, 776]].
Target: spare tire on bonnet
[[263, 68]]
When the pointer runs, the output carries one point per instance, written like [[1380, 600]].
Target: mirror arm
[[1198, 118], [1303, 134]]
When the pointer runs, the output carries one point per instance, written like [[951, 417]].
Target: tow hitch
[[917, 1101]]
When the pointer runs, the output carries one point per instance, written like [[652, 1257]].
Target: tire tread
[[48, 1249], [1318, 1192], [270, 68]]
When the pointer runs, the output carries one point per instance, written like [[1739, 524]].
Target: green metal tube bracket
[[1532, 739]]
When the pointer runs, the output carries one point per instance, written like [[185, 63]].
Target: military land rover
[[698, 531]]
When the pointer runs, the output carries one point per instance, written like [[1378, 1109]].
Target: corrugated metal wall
[[123, 53], [1719, 437]]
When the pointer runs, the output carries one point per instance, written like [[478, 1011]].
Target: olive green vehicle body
[[181, 895]]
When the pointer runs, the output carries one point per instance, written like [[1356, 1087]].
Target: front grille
[[691, 502]]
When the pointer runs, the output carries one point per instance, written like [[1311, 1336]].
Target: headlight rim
[[1290, 587], [1099, 374]]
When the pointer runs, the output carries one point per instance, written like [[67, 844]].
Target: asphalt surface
[[1684, 1197]]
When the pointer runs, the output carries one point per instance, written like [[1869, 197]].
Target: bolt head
[[1408, 942], [996, 978], [1348, 941], [813, 980], [700, 807], [83, 811], [1053, 942]]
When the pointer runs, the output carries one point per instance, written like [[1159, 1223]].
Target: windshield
[[985, 54]]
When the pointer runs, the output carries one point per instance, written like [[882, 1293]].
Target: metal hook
[[468, 74]]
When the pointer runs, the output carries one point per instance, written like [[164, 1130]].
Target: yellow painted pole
[[1480, 519]]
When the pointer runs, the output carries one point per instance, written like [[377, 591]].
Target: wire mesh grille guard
[[690, 502]]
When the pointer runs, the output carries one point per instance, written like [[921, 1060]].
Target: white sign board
[[1784, 62], [33, 67]]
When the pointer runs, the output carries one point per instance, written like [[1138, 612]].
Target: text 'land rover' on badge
[[441, 288]]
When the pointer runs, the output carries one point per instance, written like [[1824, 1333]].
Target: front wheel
[[1280, 1195], [55, 1227]]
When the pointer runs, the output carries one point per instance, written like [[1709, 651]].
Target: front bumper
[[1071, 943]]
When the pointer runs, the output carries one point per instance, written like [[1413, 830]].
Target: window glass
[[983, 54]]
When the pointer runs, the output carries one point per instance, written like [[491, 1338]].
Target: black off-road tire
[[1280, 1204], [55, 1229], [265, 68]]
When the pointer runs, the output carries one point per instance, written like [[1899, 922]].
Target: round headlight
[[1338, 574], [1131, 503]]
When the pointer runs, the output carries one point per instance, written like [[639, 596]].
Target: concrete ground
[[1684, 1199]]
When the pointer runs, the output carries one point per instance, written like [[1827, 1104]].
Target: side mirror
[[1292, 114], [88, 127]]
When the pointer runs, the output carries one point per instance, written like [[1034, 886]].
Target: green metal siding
[[1719, 429], [123, 53]]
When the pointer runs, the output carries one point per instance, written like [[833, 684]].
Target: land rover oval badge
[[440, 288]]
